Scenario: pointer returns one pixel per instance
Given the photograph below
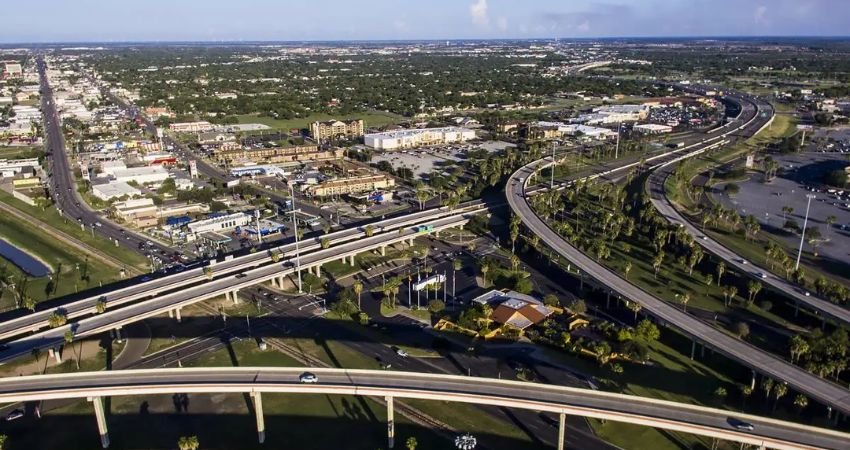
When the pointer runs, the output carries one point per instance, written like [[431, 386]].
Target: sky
[[297, 20]]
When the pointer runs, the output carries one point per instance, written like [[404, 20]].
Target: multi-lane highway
[[658, 196], [174, 301], [62, 185], [698, 420], [817, 388]]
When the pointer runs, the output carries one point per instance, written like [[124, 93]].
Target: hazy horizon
[[101, 21]]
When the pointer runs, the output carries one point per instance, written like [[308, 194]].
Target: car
[[146, 278], [740, 424], [14, 415], [402, 353], [241, 275], [308, 378], [762, 275], [743, 261]]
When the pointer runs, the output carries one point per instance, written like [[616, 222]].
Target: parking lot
[[799, 174], [423, 161]]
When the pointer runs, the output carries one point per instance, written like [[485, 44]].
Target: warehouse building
[[112, 190], [142, 175]]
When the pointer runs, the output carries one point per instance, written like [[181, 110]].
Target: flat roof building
[[652, 128], [279, 155], [220, 223], [142, 175], [350, 185], [191, 127], [115, 189], [392, 140], [12, 167]]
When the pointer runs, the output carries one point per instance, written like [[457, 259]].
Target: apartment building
[[351, 185], [336, 129], [279, 155]]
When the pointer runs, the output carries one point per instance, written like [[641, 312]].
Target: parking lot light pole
[[803, 233]]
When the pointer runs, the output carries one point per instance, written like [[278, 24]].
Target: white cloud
[[760, 15], [584, 27], [502, 23], [478, 12]]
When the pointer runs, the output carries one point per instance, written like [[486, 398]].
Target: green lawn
[[73, 271], [69, 225], [371, 119], [20, 152]]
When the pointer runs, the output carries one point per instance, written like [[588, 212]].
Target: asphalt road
[[659, 199], [63, 187], [403, 384], [817, 388]]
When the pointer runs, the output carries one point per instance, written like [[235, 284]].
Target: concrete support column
[[390, 423], [383, 250], [273, 282], [280, 282], [318, 270], [177, 314], [460, 227], [227, 296], [753, 381], [170, 313], [258, 411], [100, 415], [693, 348], [118, 334], [562, 425], [351, 260], [410, 242], [234, 296]]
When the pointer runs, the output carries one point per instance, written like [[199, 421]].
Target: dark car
[[740, 425]]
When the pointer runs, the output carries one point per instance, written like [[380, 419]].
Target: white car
[[762, 275], [402, 353], [308, 377]]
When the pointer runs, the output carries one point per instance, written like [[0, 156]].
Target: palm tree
[[3, 439], [830, 221], [658, 261], [29, 302], [325, 242], [370, 230], [785, 211], [733, 291], [484, 269], [514, 231], [358, 289], [514, 262], [69, 339], [779, 392], [684, 299], [100, 306], [721, 269], [627, 268], [801, 401], [208, 271], [798, 346], [188, 443], [411, 443], [635, 308], [746, 392], [753, 288], [57, 319]]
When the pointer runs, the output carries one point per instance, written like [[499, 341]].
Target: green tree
[[551, 300], [720, 394], [436, 306], [29, 302], [742, 330], [647, 331], [3, 439], [411, 443], [358, 289], [801, 401], [325, 242], [100, 306], [188, 443], [627, 268], [721, 269], [370, 230], [578, 306], [753, 288], [57, 319]]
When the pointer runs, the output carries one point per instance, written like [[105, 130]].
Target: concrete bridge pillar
[[390, 423], [318, 270], [273, 282], [100, 415], [280, 282], [170, 313], [177, 314], [562, 425], [118, 334], [410, 242], [234, 296], [383, 250], [351, 260], [258, 411], [460, 227], [753, 381]]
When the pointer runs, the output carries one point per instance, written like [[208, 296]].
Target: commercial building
[[220, 223], [110, 167], [279, 155], [556, 130], [12, 70], [12, 167], [142, 175], [652, 128], [393, 140], [336, 129], [261, 170], [109, 191], [512, 308], [191, 127], [350, 185]]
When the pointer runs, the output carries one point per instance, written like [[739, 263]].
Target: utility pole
[[552, 178], [803, 233]]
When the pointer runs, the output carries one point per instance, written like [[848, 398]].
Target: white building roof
[[114, 190]]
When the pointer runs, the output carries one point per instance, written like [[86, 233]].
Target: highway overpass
[[228, 286], [658, 196], [255, 381], [816, 388]]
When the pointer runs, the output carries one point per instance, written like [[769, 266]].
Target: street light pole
[[803, 233], [552, 178], [617, 148], [295, 230]]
